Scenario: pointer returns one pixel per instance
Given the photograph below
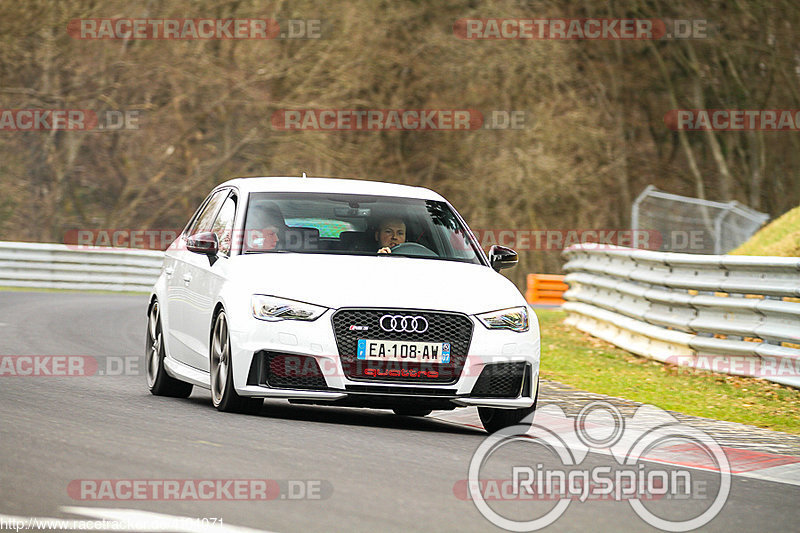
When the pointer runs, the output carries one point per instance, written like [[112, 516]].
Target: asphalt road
[[374, 470]]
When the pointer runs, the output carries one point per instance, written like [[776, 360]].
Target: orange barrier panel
[[546, 289]]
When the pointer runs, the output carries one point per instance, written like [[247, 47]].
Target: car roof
[[329, 185]]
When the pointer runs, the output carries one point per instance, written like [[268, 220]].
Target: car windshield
[[356, 225]]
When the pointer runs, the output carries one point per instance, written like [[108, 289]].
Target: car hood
[[337, 281]]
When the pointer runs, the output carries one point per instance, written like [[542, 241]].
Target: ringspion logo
[[639, 445]]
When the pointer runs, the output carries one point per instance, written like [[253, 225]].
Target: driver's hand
[[385, 250]]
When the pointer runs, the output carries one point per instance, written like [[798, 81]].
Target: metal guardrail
[[58, 266], [681, 308], [734, 314]]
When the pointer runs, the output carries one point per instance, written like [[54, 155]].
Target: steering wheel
[[413, 249]]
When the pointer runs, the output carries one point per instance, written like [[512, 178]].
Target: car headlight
[[515, 319], [274, 309]]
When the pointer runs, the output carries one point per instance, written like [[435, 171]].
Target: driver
[[390, 233], [265, 228]]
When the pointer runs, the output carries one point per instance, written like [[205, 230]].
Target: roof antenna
[[304, 175]]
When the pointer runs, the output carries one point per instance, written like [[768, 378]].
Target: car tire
[[223, 395], [158, 381], [494, 419], [401, 411]]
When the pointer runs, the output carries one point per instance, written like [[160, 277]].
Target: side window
[[206, 217], [223, 225]]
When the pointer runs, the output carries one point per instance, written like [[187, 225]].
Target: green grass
[[781, 237], [577, 359]]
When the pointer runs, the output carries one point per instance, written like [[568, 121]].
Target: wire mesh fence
[[692, 225]]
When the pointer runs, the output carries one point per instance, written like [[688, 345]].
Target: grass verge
[[780, 237], [585, 362]]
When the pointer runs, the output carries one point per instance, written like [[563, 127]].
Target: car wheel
[[159, 382], [411, 412], [495, 419], [223, 396]]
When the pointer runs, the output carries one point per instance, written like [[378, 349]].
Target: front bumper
[[316, 340]]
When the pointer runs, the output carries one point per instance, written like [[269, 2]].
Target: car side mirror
[[205, 243], [501, 257]]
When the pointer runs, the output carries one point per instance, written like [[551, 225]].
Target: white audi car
[[340, 292]]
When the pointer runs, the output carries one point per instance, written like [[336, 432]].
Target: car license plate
[[411, 352]]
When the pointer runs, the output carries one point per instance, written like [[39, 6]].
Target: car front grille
[[350, 325], [500, 380]]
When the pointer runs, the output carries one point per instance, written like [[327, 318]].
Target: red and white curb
[[743, 462]]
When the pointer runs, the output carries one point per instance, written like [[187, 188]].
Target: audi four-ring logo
[[404, 324]]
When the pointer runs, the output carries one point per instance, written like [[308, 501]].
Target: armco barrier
[[545, 289], [733, 314], [58, 266]]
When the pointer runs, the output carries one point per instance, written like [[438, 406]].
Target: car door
[[203, 277], [179, 299]]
